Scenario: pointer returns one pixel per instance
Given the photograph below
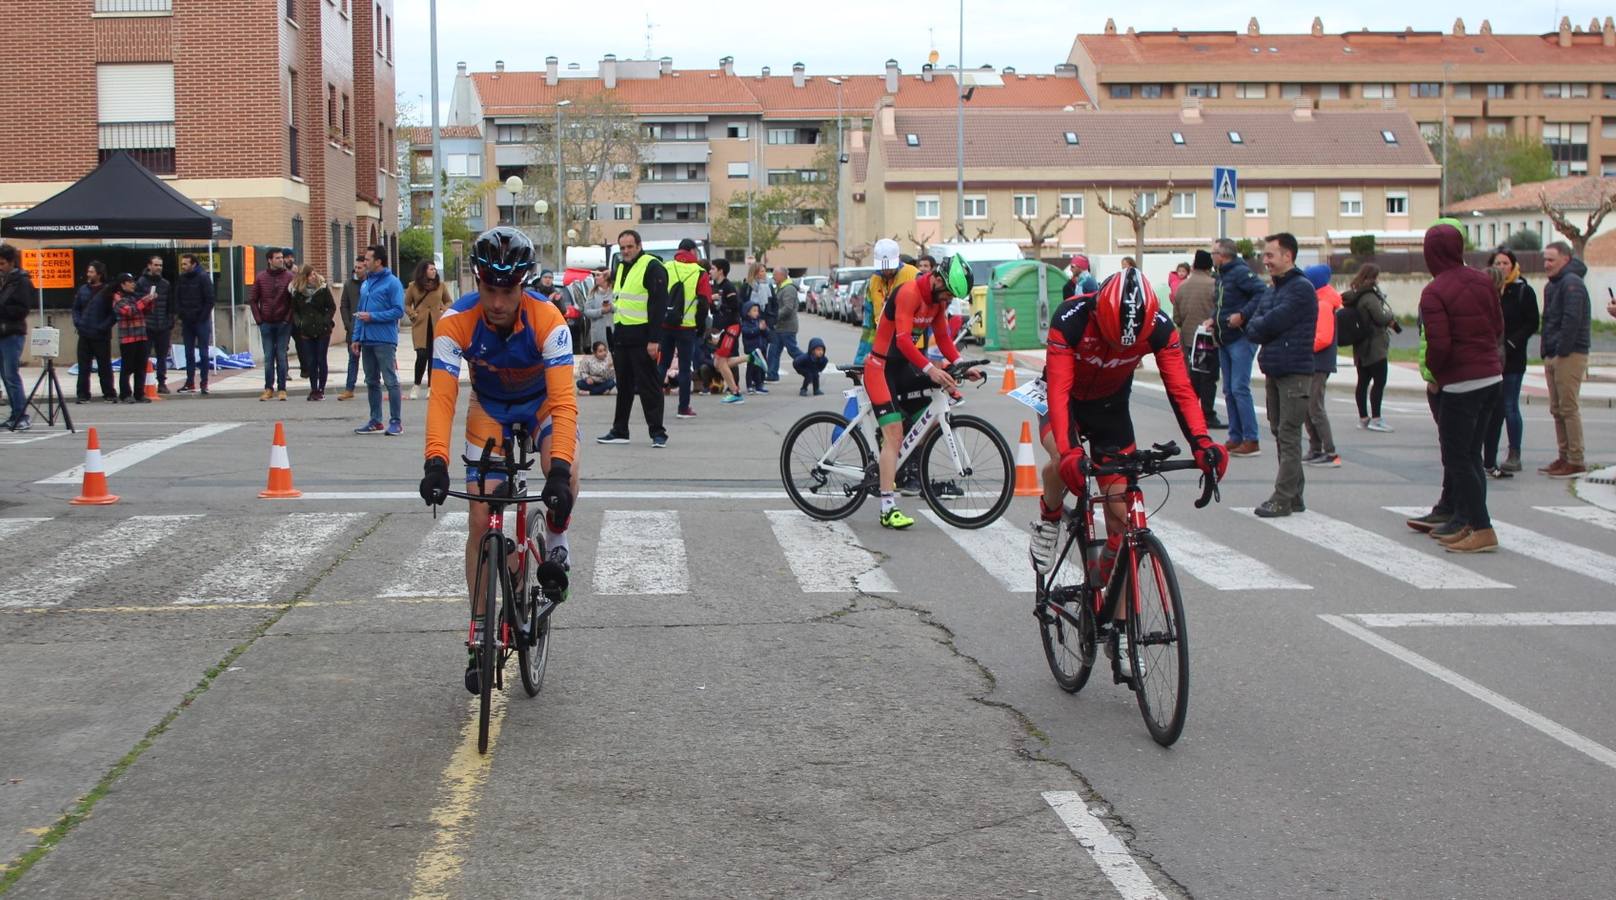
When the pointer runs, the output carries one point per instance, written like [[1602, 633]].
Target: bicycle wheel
[[1158, 644], [533, 647], [804, 455], [1069, 649], [980, 495], [488, 654]]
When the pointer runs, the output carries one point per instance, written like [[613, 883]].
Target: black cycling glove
[[435, 483], [558, 490]]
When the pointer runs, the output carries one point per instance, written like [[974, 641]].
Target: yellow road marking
[[458, 790], [215, 607]]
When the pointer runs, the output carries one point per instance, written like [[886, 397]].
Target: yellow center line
[[459, 790]]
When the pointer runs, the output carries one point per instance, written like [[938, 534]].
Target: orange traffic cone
[[1026, 467], [151, 381], [95, 477], [1009, 373], [280, 470]]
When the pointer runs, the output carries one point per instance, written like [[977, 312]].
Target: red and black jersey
[[1081, 365], [907, 315]]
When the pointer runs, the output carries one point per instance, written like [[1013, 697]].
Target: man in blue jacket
[[375, 340], [1238, 290], [1283, 323]]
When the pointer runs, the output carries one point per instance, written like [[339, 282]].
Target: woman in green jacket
[[1369, 356]]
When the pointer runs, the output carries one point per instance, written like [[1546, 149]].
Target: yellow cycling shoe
[[894, 518]]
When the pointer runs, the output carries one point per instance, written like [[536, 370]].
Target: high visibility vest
[[630, 298], [686, 275]]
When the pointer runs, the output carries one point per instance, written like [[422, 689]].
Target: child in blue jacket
[[809, 365], [754, 338]]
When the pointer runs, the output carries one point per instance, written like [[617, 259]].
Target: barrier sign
[[45, 342], [51, 269]]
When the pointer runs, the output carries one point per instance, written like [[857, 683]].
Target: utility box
[[1027, 291]]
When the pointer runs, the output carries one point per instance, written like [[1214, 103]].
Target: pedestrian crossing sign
[[1225, 187]]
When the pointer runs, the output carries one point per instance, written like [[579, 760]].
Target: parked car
[[843, 278], [857, 294], [811, 287]]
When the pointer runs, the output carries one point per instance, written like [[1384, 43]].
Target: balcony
[[150, 143], [672, 192], [672, 231], [678, 152]]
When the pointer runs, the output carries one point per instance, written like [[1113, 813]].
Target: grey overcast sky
[[857, 36]]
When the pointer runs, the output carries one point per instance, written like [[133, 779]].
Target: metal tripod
[[54, 399]]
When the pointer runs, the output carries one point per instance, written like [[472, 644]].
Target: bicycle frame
[[935, 414]]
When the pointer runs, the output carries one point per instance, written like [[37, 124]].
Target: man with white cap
[[892, 274]]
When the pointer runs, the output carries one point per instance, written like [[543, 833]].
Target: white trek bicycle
[[966, 470]]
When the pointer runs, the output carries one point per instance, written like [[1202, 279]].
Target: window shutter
[[141, 92]]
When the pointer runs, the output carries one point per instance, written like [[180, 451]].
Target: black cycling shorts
[[1106, 424], [890, 381]]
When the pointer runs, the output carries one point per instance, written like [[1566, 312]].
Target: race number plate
[[1034, 394]]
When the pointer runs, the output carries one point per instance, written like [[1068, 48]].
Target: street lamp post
[[959, 104], [561, 190], [437, 147], [841, 155]]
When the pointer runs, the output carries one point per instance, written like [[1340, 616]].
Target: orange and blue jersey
[[525, 377]]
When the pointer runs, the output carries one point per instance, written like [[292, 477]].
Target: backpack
[[1352, 325]]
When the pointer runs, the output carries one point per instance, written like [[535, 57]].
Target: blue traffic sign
[[1225, 187]]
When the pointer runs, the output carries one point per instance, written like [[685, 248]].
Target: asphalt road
[[205, 694]]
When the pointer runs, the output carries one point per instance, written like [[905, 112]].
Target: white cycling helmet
[[886, 255]]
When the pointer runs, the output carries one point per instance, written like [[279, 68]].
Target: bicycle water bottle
[[849, 412], [1091, 563]]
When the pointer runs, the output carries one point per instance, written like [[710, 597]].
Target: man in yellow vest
[[689, 293], [893, 273], [640, 301]]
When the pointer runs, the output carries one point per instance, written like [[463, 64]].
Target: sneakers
[[762, 390], [186, 389], [1447, 529], [1363, 423], [266, 395], [909, 486], [818, 392], [1123, 657], [894, 518], [280, 395], [1274, 509], [1430, 520], [1231, 443], [612, 437], [686, 413], [1246, 448], [1328, 460], [659, 442], [1380, 425], [415, 392], [1558, 462], [345, 395], [1216, 423], [947, 490], [1480, 540], [1041, 549], [802, 392], [1566, 470], [394, 428], [23, 423], [1312, 457], [733, 398], [1511, 463], [1498, 472], [371, 427]]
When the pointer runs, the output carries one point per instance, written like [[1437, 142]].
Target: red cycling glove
[[1071, 470], [1211, 457]]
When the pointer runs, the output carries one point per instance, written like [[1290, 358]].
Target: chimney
[[892, 76], [1486, 26], [855, 139], [1190, 110], [1565, 31], [665, 66], [1504, 187], [925, 72], [1131, 32], [1111, 26], [499, 65], [608, 71], [1609, 32], [889, 118], [765, 73], [1009, 70], [1458, 28], [552, 70], [1302, 110], [727, 64], [799, 75], [1318, 27], [1593, 26], [460, 68], [1065, 70], [1251, 28]]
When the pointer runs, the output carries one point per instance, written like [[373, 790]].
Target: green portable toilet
[[1031, 289]]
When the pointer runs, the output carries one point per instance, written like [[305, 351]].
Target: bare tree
[[1137, 216], [601, 141], [983, 233], [920, 243], [1577, 236], [856, 253], [1039, 234]]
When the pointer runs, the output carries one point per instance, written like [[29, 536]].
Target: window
[[793, 135], [740, 170], [377, 22], [291, 10], [737, 130], [928, 207], [1564, 91], [1071, 206], [474, 209], [1235, 138], [1256, 203], [1461, 92], [1121, 91], [336, 251], [1184, 205], [1389, 137], [1024, 206], [389, 38], [1497, 129], [1301, 204], [295, 168], [1379, 92], [1608, 128], [1610, 92], [1145, 200], [1425, 89], [510, 134], [1290, 91], [1071, 138], [1607, 166], [911, 139], [135, 112], [1206, 90], [1568, 146], [140, 6], [1397, 203], [1462, 130], [1250, 90], [346, 133], [463, 164], [976, 207], [1352, 204], [1178, 138], [1497, 91], [1329, 92], [1150, 91], [330, 108], [622, 212], [297, 236]]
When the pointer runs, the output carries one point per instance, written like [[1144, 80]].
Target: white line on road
[[1218, 566], [640, 552], [12, 440], [1379, 552], [56, 580], [273, 558], [582, 495], [1555, 552], [1508, 707], [1417, 620], [1593, 515], [430, 571], [826, 556], [1107, 850], [9, 527], [124, 457], [1000, 548]]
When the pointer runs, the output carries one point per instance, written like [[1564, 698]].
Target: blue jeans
[[1506, 415], [685, 342], [275, 335], [1235, 360], [379, 367], [10, 359], [197, 336], [778, 341], [353, 370]]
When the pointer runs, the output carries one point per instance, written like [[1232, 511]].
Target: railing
[[134, 6], [291, 141], [150, 143]]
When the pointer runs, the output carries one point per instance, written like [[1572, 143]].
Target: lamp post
[[437, 147], [959, 105], [561, 190], [841, 157]]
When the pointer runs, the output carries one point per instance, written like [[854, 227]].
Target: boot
[[1457, 537], [1482, 540]]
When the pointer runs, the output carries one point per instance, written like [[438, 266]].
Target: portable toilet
[[1032, 291]]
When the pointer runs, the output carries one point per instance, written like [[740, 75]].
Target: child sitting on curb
[[599, 377]]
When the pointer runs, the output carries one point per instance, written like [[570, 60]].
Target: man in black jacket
[[160, 321], [16, 290], [640, 302], [1565, 344], [193, 303], [1283, 324], [93, 319]]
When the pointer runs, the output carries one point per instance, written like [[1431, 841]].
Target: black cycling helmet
[[502, 257]]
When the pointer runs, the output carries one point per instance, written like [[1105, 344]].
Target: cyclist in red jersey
[[896, 366], [1096, 341]]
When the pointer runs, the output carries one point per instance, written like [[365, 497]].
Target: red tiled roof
[[691, 91], [1128, 138], [1601, 250], [424, 135], [1228, 48], [1579, 192]]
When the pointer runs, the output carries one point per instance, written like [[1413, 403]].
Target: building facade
[[278, 114], [1545, 86], [1490, 220]]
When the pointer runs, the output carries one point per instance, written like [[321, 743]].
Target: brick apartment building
[[278, 113], [1545, 86]]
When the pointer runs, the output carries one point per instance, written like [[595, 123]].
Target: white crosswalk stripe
[[9, 527], [640, 552], [253, 574], [1593, 515], [1379, 552], [57, 579], [1000, 548], [1218, 566], [1541, 547], [431, 571], [825, 556]]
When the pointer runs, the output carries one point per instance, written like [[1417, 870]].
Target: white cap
[[886, 254]]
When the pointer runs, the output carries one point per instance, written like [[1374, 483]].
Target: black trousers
[[637, 376], [1462, 428], [1205, 384], [160, 345], [135, 355], [99, 351]]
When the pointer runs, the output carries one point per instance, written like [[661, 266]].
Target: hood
[[1577, 268], [750, 304], [815, 344], [1444, 248], [685, 256], [1319, 275]]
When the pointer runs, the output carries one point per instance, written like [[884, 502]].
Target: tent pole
[[231, 279]]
